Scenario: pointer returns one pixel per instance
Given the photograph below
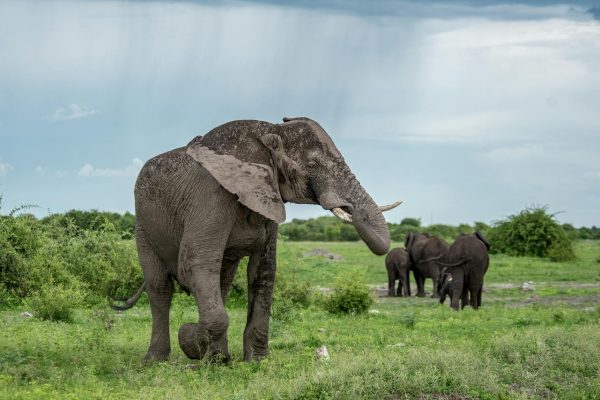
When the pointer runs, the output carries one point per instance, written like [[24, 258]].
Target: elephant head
[[267, 165]]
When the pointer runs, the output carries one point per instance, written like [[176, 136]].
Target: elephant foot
[[256, 345], [421, 294], [250, 356], [195, 345], [153, 356], [220, 357], [190, 341], [435, 296]]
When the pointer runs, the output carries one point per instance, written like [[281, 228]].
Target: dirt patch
[[558, 285], [571, 300], [318, 252]]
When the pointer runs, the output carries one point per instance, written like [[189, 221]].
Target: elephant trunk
[[367, 218], [372, 228], [362, 212]]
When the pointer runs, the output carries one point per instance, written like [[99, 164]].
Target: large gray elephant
[[462, 277], [203, 207], [397, 264], [426, 253]]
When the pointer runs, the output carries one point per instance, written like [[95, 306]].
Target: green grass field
[[519, 345]]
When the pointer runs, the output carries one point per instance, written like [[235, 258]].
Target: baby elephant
[[462, 278], [398, 264]]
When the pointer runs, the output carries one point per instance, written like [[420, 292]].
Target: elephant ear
[[255, 184]]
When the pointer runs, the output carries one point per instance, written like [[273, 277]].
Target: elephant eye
[[311, 164]]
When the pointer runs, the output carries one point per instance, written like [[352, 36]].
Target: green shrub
[[289, 288], [416, 222], [560, 251], [532, 232], [54, 303], [350, 296], [33, 253], [408, 320]]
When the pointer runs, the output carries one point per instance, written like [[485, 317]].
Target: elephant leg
[[391, 283], [228, 270], [159, 287], [475, 293], [399, 289], [479, 296], [434, 277], [420, 284], [261, 278], [464, 298], [406, 283], [202, 265], [455, 299]]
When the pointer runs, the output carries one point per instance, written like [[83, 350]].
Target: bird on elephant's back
[[426, 254], [201, 208]]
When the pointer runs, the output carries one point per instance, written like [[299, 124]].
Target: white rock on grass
[[374, 312], [26, 314], [322, 353], [528, 286]]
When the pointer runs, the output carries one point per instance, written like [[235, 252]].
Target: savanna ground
[[520, 344]]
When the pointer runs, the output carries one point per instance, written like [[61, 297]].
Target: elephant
[[201, 208], [462, 278], [397, 264], [425, 253]]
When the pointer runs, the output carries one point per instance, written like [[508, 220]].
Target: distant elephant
[[462, 278], [398, 265], [426, 253], [201, 208]]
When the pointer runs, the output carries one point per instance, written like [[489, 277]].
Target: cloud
[[39, 170], [61, 173], [553, 170], [72, 111], [88, 170], [5, 168], [595, 12]]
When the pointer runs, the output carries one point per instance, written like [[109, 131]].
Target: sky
[[465, 111]]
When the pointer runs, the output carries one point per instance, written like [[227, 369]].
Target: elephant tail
[[436, 259], [483, 239], [456, 264], [129, 302]]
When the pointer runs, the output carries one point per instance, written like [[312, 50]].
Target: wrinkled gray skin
[[426, 253], [203, 207], [462, 278], [397, 264]]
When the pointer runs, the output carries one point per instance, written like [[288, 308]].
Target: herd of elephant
[[456, 270]]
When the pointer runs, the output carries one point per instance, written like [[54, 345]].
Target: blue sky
[[467, 111]]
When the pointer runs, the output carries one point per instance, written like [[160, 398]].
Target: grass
[[519, 345]]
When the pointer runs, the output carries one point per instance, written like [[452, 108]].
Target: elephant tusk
[[390, 206], [341, 214]]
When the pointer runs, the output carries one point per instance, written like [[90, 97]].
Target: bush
[[532, 232], [290, 289], [54, 303], [33, 253], [350, 296], [416, 222]]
